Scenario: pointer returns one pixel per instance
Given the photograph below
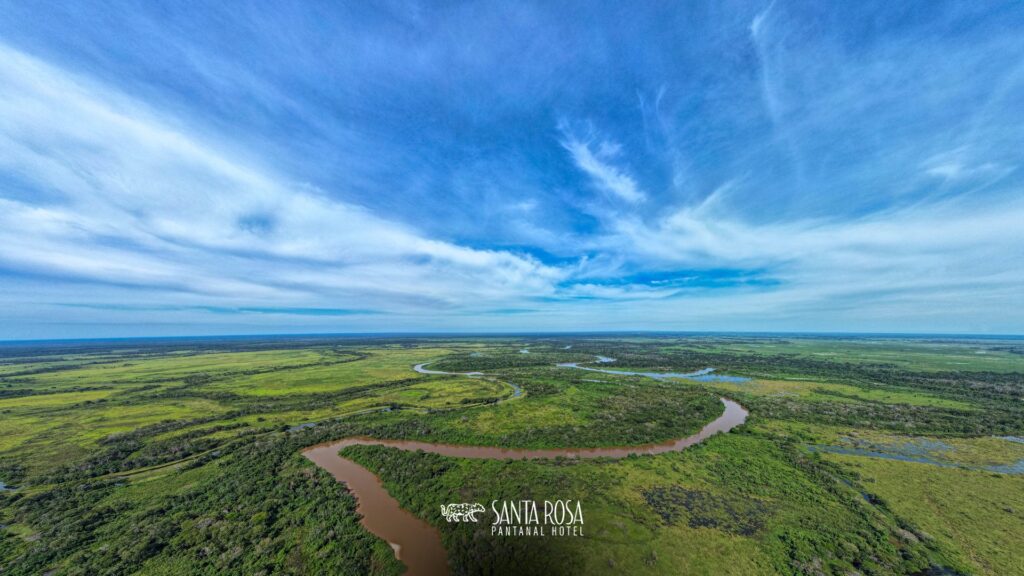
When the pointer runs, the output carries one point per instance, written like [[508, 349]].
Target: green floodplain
[[866, 455]]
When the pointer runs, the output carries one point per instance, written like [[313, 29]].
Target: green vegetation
[[261, 511], [560, 408], [177, 456], [767, 509], [978, 517]]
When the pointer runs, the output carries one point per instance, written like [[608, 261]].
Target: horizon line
[[539, 333]]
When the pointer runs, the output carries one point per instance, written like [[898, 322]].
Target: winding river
[[703, 375], [418, 544]]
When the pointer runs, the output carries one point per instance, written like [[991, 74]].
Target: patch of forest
[[260, 508]]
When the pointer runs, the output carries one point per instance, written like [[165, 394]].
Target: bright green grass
[[623, 533], [978, 516], [46, 439], [381, 366], [828, 391], [158, 368], [46, 431], [26, 404], [976, 355], [565, 408], [270, 390]]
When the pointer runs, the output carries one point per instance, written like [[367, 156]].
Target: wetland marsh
[[163, 457]]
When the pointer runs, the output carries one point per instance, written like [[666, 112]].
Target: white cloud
[[155, 209], [125, 195], [904, 262], [926, 257], [959, 164], [597, 164]]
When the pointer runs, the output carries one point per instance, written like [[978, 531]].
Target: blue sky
[[491, 166]]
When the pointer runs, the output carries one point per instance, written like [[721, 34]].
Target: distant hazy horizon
[[527, 335], [511, 167]]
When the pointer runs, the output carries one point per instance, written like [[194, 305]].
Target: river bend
[[417, 543]]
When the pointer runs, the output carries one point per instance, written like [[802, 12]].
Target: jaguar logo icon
[[461, 512]]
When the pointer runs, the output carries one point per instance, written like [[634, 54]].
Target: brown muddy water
[[418, 544]]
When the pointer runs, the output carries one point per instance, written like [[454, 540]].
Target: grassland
[[976, 516], [932, 354], [170, 457]]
